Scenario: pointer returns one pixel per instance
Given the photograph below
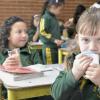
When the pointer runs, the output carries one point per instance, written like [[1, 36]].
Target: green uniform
[[66, 87], [49, 31], [31, 33], [28, 57]]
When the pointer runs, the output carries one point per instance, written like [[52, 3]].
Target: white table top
[[48, 78]]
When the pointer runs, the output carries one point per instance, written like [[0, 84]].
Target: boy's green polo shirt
[[66, 82], [49, 29], [28, 57]]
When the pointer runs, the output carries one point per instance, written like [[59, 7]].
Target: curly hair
[[6, 28]]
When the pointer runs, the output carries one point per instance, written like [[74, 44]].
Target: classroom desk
[[36, 45], [22, 93], [64, 52], [31, 87]]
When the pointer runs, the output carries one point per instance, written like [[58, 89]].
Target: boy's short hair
[[89, 22]]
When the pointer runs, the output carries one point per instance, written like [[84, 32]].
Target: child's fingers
[[10, 61], [92, 71], [85, 64], [79, 56], [83, 59], [89, 73], [92, 68], [90, 76]]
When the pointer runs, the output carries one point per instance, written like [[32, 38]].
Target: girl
[[81, 80], [50, 33], [34, 30], [14, 35]]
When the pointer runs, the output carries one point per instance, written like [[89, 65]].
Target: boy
[[81, 80]]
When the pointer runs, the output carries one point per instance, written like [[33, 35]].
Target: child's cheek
[[83, 47]]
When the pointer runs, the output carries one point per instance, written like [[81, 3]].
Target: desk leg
[[60, 56], [11, 95]]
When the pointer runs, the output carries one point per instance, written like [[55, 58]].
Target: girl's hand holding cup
[[13, 60]]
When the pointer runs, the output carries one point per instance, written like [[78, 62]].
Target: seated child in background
[[81, 80], [34, 29], [71, 27], [14, 35], [34, 32]]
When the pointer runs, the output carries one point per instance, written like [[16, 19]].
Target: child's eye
[[26, 31], [20, 31], [85, 40]]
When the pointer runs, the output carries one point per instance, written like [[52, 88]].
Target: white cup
[[93, 55], [16, 54]]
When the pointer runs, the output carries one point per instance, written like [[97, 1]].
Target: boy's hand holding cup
[[93, 55], [80, 65], [95, 59]]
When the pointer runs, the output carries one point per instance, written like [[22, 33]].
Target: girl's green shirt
[[49, 29], [27, 56]]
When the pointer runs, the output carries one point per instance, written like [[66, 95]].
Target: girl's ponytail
[[44, 7], [51, 2]]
